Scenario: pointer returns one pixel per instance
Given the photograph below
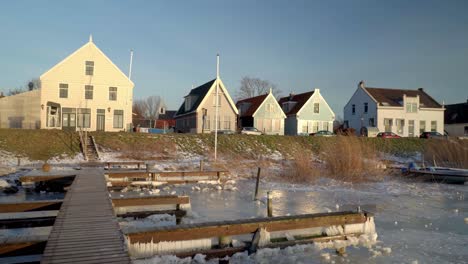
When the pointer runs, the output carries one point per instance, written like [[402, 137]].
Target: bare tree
[[15, 91], [251, 87], [152, 107]]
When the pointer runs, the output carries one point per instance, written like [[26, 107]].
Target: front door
[[69, 119], [101, 119]]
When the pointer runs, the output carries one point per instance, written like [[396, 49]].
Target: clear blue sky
[[297, 45]]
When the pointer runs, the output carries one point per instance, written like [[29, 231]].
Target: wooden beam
[[39, 178], [22, 248], [239, 227], [151, 200], [30, 206], [127, 174]]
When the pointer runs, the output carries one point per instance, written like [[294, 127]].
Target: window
[[354, 109], [304, 128], [400, 126], [316, 108], [315, 126], [63, 87], [366, 107], [433, 126], [219, 99], [113, 93], [89, 92], [206, 124], [84, 117], [371, 122], [411, 107], [269, 108], [410, 128], [118, 118], [388, 123], [422, 126], [89, 67], [227, 122]]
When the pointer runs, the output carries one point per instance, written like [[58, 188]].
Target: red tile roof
[[255, 103], [394, 97], [300, 100]]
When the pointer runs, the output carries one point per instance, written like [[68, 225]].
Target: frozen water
[[402, 211]]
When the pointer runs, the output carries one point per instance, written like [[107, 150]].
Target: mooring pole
[[19, 161], [257, 183], [269, 205], [201, 165]]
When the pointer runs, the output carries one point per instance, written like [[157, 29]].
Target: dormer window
[[188, 103], [288, 106], [411, 107]]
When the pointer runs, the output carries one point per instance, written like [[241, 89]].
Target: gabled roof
[[200, 92], [167, 116], [394, 97], [456, 113], [255, 103], [90, 44], [300, 100]]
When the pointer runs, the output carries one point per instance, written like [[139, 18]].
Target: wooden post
[[269, 205], [201, 165], [341, 251], [19, 161], [257, 183]]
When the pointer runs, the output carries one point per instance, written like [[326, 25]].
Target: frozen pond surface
[[420, 222]]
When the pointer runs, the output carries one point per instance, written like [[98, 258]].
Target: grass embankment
[[39, 144]]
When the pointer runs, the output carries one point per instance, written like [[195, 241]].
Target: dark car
[[432, 134], [323, 133], [387, 135]]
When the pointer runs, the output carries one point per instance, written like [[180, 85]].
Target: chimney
[[291, 95], [421, 89], [316, 90]]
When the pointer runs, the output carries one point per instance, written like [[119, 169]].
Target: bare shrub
[[350, 159], [300, 170], [447, 153]]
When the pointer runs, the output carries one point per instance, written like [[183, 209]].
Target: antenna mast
[[130, 68]]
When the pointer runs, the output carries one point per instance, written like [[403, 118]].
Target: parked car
[[387, 135], [432, 134], [323, 133], [226, 132], [251, 131]]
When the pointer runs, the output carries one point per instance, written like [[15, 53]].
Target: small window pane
[[63, 90], [113, 93], [89, 67]]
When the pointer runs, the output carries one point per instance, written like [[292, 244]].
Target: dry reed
[[350, 159], [447, 153]]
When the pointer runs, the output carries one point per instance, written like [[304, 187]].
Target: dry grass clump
[[350, 159], [447, 153], [300, 169], [153, 149]]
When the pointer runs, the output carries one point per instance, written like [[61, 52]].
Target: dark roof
[[301, 99], [255, 103], [200, 92], [168, 115], [456, 113], [394, 97]]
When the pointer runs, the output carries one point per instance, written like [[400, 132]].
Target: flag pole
[[216, 108]]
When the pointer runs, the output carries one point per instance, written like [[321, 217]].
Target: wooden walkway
[[86, 230]]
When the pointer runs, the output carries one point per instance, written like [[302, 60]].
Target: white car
[[251, 131]]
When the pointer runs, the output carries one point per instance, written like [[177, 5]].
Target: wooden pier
[[86, 230]]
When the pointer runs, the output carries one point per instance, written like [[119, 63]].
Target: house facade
[[306, 113], [197, 114], [456, 119], [262, 112], [85, 91], [407, 113]]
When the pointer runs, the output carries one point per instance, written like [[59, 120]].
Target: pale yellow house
[[197, 114], [85, 91]]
